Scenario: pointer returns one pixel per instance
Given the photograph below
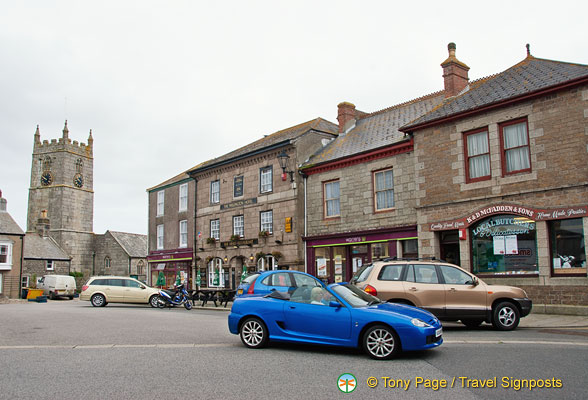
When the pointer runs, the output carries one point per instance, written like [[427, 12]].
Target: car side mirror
[[335, 304], [475, 282], [142, 287]]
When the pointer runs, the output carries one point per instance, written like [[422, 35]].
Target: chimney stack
[[43, 224], [2, 202], [455, 73], [346, 115]]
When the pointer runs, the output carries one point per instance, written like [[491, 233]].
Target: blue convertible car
[[337, 315]]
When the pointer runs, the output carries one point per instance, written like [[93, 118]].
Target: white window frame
[[212, 265], [239, 225], [49, 265], [160, 237], [24, 282], [266, 221], [382, 190], [184, 233], [267, 263], [160, 203], [215, 228], [183, 206], [266, 177], [215, 192], [335, 200], [1, 283], [7, 245]]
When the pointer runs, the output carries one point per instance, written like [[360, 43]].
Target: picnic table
[[219, 296]]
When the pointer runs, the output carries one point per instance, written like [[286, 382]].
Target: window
[[184, 233], [384, 190], [159, 237], [183, 197], [281, 279], [47, 164], [410, 248], [216, 274], [79, 166], [215, 229], [131, 283], [107, 263], [160, 200], [514, 140], [266, 221], [5, 255], [331, 195], [238, 228], [425, 273], [215, 192], [238, 186], [391, 272], [568, 253], [454, 276], [24, 283], [477, 155], [49, 265], [504, 245], [265, 180], [267, 263]]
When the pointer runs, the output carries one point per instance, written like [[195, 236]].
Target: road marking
[[514, 342], [119, 346]]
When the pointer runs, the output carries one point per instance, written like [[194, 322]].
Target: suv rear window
[[363, 273]]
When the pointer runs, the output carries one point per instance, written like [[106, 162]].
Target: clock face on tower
[[78, 180], [46, 179]]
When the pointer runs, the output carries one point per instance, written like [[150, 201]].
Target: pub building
[[171, 263]]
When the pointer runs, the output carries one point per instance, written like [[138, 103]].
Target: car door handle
[[413, 289], [452, 289], [292, 307]]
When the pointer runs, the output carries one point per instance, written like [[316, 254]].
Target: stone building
[[501, 173], [11, 247], [171, 229], [250, 210], [60, 237], [361, 191]]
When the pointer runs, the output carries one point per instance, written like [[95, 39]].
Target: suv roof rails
[[412, 259]]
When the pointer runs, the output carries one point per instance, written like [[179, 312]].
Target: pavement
[[533, 320]]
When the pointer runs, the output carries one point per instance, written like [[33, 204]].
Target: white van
[[57, 285]]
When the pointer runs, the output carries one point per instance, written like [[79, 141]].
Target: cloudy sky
[[164, 85]]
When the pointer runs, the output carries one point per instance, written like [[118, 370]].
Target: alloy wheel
[[380, 343], [506, 316], [253, 333]]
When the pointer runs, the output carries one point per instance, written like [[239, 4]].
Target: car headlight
[[419, 323]]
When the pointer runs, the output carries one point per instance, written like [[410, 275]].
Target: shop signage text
[[239, 203]]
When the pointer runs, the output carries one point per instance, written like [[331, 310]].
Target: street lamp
[[283, 159]]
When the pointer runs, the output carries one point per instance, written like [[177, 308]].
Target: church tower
[[62, 179]]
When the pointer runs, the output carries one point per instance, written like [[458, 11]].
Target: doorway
[[449, 246]]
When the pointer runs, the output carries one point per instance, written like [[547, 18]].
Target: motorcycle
[[171, 298]]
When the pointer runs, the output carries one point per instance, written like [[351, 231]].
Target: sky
[[165, 85]]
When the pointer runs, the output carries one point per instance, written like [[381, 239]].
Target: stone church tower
[[62, 178]]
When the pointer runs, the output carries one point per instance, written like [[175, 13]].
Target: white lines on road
[[515, 342], [120, 346]]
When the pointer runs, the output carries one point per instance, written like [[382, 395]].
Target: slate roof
[[276, 138], [43, 248], [178, 178], [375, 130], [529, 76], [8, 226], [133, 244]]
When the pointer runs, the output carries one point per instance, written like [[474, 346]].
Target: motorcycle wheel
[[160, 302], [188, 305]]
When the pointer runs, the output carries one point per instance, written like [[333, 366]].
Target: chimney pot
[[346, 115], [455, 73]]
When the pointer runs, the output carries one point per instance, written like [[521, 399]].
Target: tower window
[[47, 164], [79, 165]]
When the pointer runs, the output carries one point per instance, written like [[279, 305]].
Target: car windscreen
[[249, 278], [354, 296], [363, 273]]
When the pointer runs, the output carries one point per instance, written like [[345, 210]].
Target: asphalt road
[[69, 349]]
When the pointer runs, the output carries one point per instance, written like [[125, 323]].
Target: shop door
[[359, 257], [449, 243]]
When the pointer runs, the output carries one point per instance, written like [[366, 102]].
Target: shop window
[[514, 139], [568, 251], [322, 261], [380, 250], [339, 263], [410, 248], [477, 155], [504, 245]]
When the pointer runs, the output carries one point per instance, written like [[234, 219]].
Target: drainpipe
[[93, 263], [21, 265], [195, 244], [304, 177]]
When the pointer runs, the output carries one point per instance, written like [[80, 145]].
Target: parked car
[[56, 286], [263, 283], [446, 290], [245, 283], [101, 290], [355, 319]]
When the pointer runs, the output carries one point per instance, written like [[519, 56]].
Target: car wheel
[[472, 323], [254, 333], [153, 300], [98, 300], [505, 316], [381, 342]]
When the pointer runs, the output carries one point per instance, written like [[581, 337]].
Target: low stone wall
[[557, 295]]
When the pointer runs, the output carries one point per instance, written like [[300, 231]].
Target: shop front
[[337, 257], [166, 265], [507, 240]]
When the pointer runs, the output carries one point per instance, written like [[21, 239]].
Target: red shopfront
[[337, 257], [170, 263]]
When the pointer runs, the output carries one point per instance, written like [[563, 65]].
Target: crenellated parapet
[[64, 143]]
